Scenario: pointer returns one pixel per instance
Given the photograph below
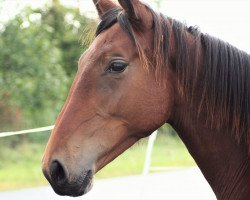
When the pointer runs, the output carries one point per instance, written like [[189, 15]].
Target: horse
[[142, 70]]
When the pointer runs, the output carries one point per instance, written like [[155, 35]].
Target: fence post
[[147, 162]]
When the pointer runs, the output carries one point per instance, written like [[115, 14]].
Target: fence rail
[[41, 129]]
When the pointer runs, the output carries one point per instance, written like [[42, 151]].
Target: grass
[[21, 167]]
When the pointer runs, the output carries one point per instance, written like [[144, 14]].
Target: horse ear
[[103, 6], [137, 13], [130, 7]]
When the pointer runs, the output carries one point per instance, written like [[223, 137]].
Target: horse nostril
[[57, 171]]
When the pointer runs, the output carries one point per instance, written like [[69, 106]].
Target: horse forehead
[[111, 40], [112, 37]]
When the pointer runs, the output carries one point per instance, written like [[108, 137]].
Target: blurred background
[[40, 43]]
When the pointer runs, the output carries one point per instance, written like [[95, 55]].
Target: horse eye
[[117, 67]]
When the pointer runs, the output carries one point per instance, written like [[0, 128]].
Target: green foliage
[[66, 25], [38, 60], [31, 77]]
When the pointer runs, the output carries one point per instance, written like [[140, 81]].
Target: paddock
[[175, 184]]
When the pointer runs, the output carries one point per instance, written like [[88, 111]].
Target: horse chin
[[85, 185], [84, 189], [89, 187]]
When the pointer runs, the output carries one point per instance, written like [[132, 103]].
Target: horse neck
[[224, 163]]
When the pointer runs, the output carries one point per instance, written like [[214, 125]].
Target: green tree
[[38, 59], [31, 76], [66, 26]]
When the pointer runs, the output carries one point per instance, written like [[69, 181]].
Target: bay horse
[[143, 70]]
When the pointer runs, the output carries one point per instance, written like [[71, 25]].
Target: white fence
[[35, 130]]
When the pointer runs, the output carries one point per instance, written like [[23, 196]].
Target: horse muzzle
[[65, 184]]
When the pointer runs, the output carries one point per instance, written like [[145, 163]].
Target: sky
[[227, 20]]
